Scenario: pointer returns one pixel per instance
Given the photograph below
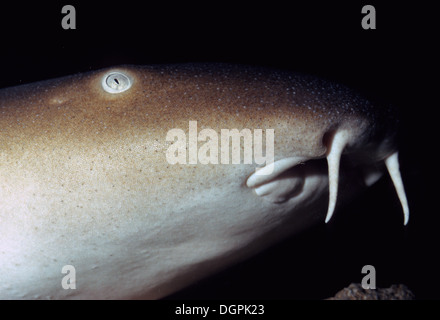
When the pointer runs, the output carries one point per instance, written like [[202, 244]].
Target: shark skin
[[85, 180]]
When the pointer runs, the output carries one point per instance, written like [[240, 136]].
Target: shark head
[[148, 178]]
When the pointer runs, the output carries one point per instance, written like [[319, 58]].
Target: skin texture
[[84, 180]]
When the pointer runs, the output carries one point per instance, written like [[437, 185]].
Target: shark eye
[[116, 82]]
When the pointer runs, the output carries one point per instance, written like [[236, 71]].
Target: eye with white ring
[[116, 82]]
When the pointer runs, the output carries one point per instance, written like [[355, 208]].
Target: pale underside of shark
[[85, 182]]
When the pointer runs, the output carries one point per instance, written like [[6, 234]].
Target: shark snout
[[284, 179]]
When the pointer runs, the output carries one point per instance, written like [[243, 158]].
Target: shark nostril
[[327, 139]]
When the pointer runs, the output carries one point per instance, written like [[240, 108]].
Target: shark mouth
[[272, 183]]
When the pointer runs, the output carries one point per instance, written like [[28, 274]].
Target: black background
[[394, 63]]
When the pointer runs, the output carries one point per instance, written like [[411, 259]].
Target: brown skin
[[77, 112], [80, 165]]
